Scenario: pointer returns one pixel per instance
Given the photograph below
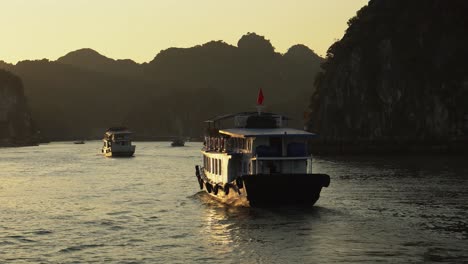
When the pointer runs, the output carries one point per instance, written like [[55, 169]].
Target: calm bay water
[[64, 203]]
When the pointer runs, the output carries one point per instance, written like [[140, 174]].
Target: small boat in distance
[[178, 142], [257, 161], [118, 142], [78, 142]]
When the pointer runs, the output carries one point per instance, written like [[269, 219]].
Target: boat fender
[[209, 187], [197, 171], [226, 189], [239, 182], [215, 189], [200, 182]]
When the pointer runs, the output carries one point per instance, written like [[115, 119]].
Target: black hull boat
[[256, 160], [267, 190], [178, 143]]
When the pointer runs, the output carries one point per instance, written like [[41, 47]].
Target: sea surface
[[65, 203]]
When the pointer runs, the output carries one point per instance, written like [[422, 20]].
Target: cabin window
[[276, 145], [297, 149], [219, 167]]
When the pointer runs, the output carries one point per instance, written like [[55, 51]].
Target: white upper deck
[[265, 132], [118, 134]]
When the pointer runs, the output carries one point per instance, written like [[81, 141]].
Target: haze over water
[[64, 203]]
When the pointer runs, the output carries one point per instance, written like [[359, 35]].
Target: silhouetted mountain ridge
[[83, 92], [93, 60]]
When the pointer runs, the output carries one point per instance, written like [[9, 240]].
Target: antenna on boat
[[260, 105]]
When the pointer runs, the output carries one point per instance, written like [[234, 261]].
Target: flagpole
[[260, 102], [259, 109]]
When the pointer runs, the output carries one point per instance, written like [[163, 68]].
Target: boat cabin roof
[[265, 132], [228, 116], [119, 132]]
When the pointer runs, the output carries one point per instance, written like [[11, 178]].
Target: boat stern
[[278, 189]]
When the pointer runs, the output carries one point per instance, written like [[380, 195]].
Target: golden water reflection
[[248, 231]]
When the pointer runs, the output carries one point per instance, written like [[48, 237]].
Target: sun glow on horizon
[[140, 29]]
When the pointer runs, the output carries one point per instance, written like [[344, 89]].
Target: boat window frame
[[215, 166]]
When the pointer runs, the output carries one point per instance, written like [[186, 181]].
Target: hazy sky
[[139, 29]]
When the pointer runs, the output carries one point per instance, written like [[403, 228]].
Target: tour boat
[[258, 161], [178, 142], [118, 143]]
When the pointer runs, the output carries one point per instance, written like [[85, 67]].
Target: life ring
[[209, 187]]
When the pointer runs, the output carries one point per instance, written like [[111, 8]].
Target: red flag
[[260, 97]]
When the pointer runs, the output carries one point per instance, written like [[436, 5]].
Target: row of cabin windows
[[108, 144], [212, 165], [223, 144]]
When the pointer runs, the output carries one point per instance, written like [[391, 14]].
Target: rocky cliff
[[16, 127], [396, 81]]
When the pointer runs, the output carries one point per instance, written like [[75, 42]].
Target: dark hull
[[284, 189], [123, 154], [268, 190]]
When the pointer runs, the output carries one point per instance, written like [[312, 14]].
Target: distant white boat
[[118, 143]]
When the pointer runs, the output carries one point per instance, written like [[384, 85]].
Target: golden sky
[[139, 29]]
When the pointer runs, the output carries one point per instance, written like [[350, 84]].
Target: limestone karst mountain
[[397, 80], [16, 126], [83, 92]]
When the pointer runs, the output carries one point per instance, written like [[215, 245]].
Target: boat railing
[[281, 158], [225, 144]]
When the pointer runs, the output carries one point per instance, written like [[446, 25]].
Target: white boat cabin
[[118, 141], [258, 144]]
